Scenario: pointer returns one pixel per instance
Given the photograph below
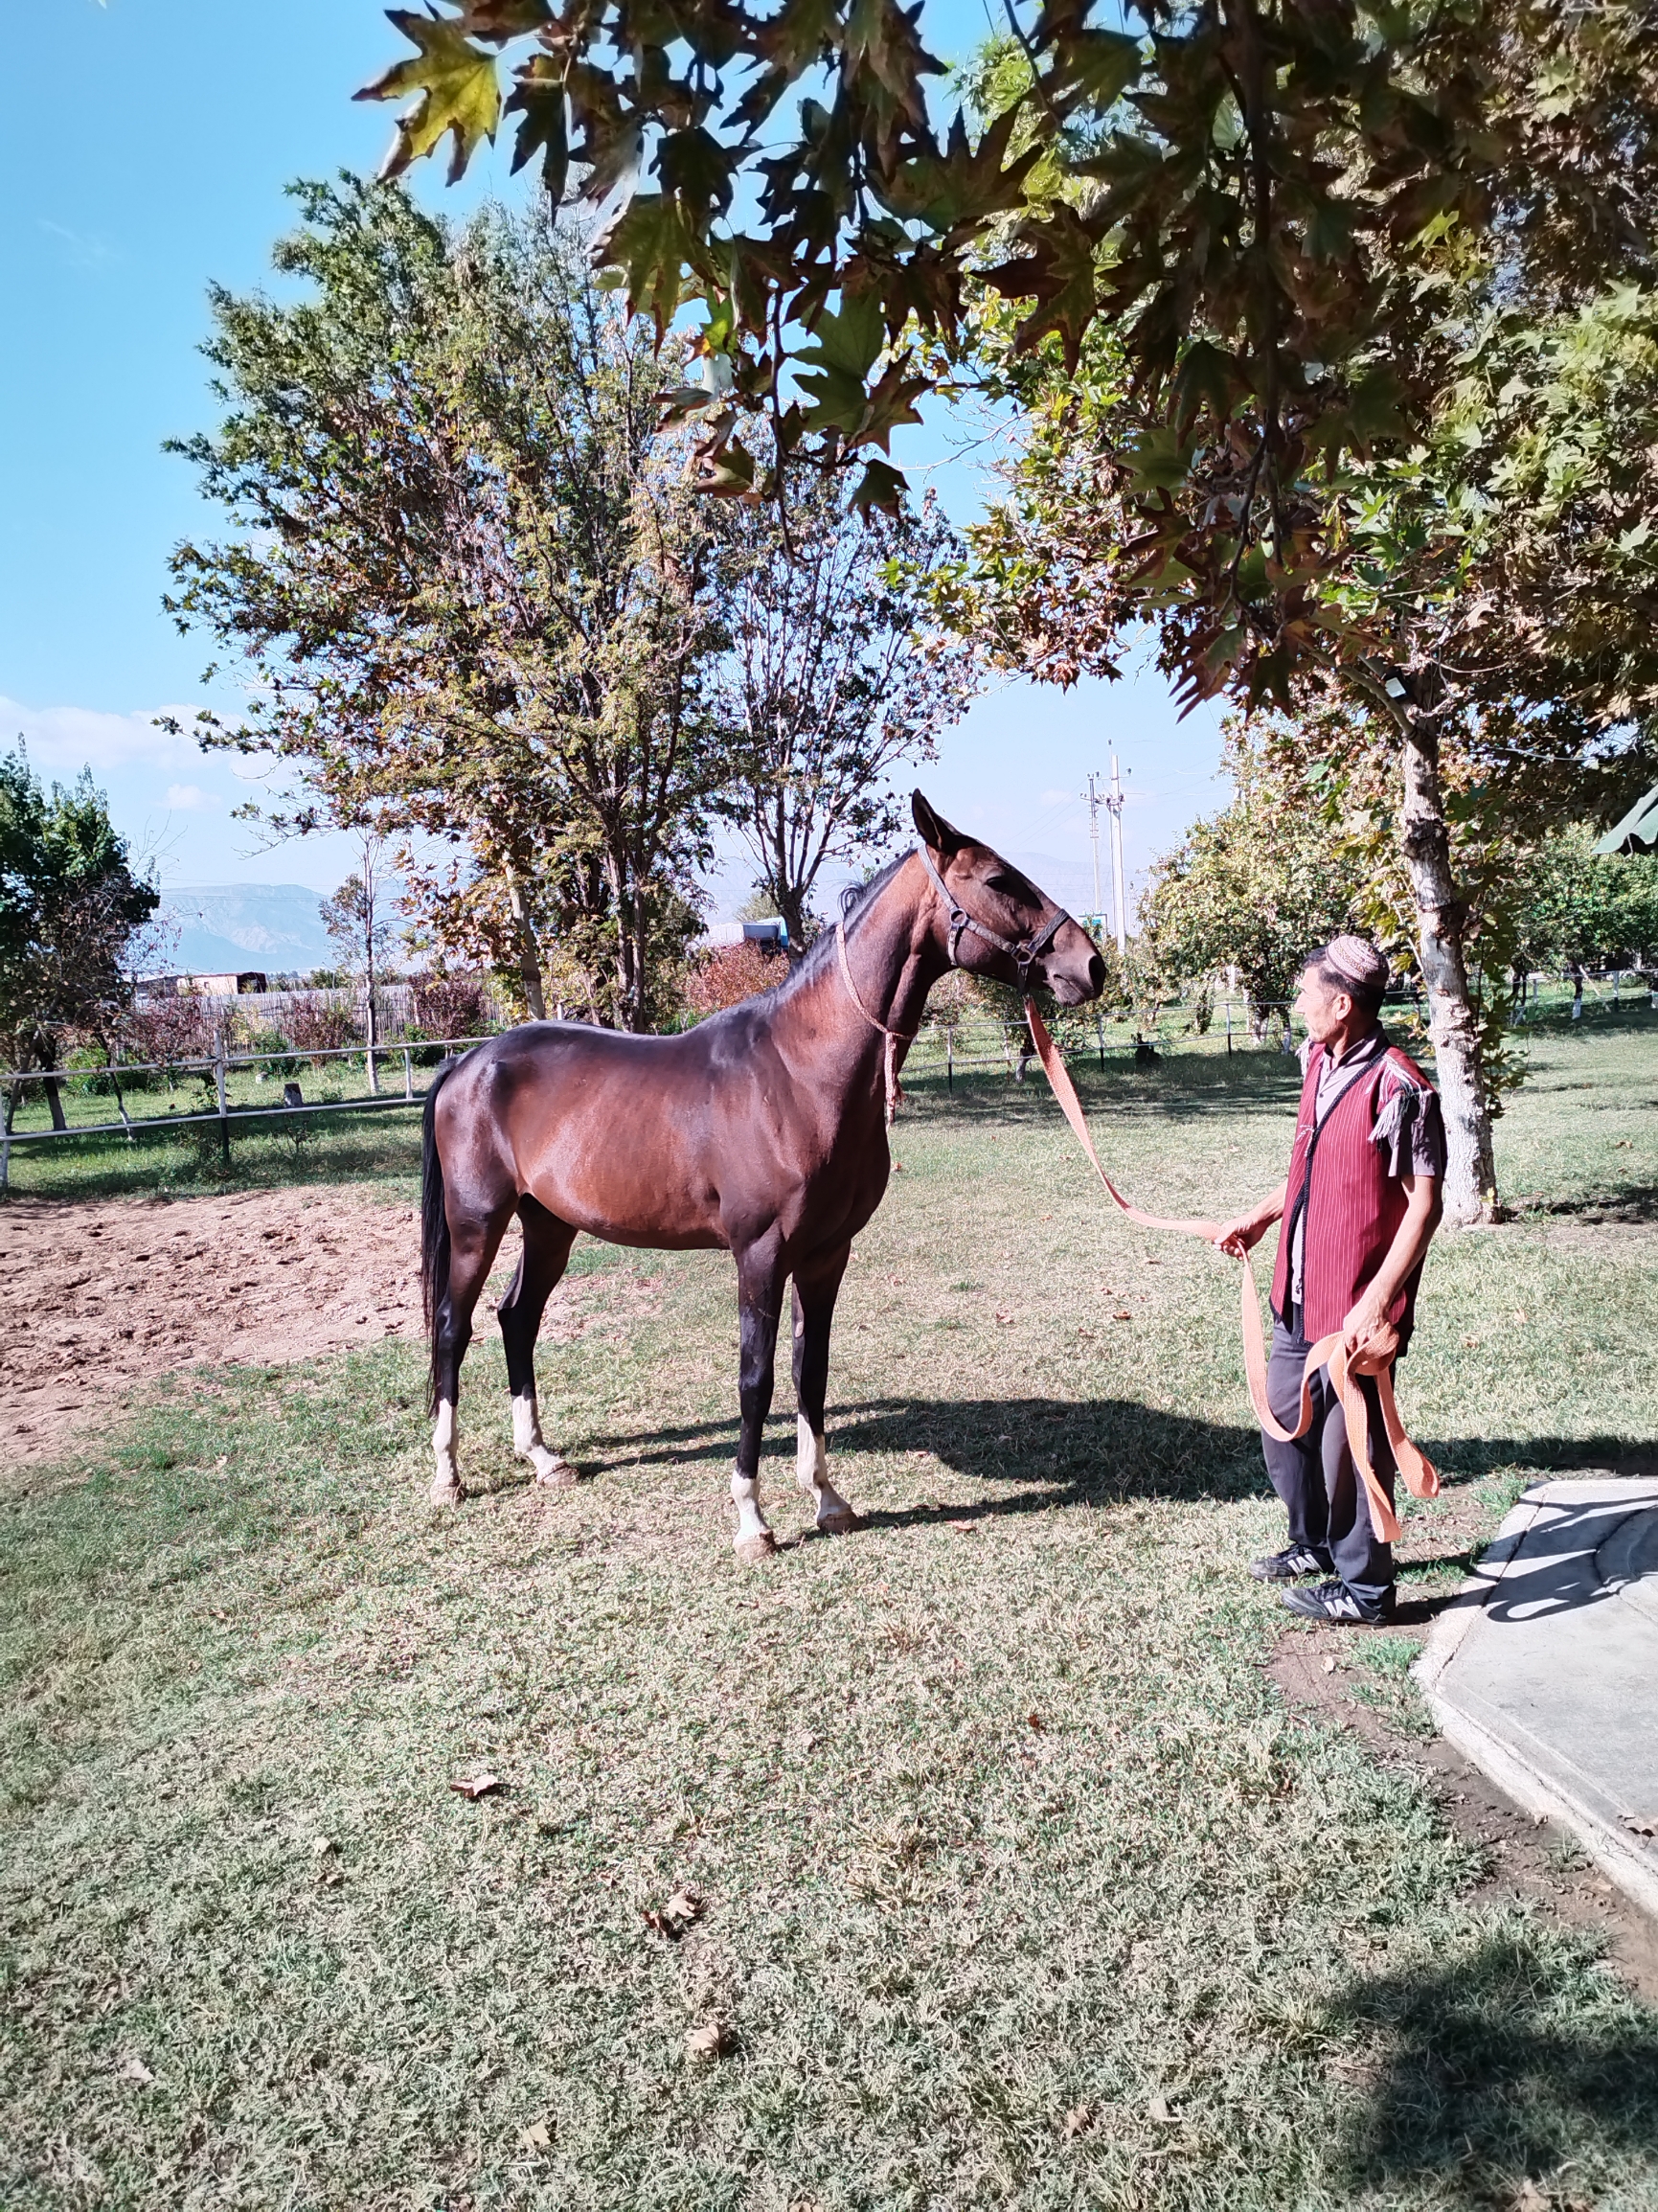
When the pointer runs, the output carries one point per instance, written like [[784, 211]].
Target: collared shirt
[[1408, 1122]]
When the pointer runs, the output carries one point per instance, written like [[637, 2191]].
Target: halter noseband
[[1024, 954]]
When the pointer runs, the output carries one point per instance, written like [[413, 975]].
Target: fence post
[[949, 1056], [218, 1073], [1100, 1037], [408, 1075], [1229, 1029]]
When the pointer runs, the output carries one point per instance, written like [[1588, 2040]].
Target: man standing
[[1359, 1205]]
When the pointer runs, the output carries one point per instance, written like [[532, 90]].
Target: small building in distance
[[247, 979], [771, 935]]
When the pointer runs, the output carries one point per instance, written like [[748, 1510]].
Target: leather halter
[[1024, 954]]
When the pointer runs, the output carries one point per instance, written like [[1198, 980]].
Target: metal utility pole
[[1094, 805], [1114, 805]]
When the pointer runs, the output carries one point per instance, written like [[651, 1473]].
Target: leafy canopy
[[1246, 194]]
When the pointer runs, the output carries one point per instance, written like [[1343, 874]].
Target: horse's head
[[994, 921]]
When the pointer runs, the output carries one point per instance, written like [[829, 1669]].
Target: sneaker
[[1335, 1601], [1286, 1566]]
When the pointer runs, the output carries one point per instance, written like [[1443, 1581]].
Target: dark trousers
[[1316, 1475]]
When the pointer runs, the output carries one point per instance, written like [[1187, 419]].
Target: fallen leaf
[[711, 2040], [1470, 1344], [1161, 2110], [1047, 1217], [476, 1786], [134, 2069], [1522, 1319], [322, 1845], [1122, 1316], [536, 2136], [1530, 2198], [1005, 1320], [967, 1527], [672, 1919], [1077, 2119], [1330, 1666], [1036, 1720]]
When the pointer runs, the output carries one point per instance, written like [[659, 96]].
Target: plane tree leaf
[[459, 93]]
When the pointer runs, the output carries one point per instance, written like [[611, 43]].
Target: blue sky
[[148, 159]]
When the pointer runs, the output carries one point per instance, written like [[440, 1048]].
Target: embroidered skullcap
[[1357, 961]]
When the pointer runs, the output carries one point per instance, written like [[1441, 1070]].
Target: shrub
[[319, 1021], [729, 975], [169, 1030], [453, 1005]]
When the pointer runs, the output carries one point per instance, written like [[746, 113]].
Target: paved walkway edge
[[1505, 1762]]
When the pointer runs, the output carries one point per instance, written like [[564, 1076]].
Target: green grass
[[1022, 1887]]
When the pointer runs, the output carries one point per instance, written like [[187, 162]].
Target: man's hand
[[1240, 1235], [1369, 1315]]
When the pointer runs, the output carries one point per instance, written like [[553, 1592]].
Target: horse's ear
[[934, 830]]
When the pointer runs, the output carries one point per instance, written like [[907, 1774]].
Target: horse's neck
[[893, 966]]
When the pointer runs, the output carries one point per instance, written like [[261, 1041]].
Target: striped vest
[[1339, 1179]]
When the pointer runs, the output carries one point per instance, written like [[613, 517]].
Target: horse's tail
[[434, 1221]]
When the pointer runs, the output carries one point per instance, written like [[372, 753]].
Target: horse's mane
[[855, 902]]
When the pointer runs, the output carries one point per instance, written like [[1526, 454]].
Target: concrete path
[[1545, 1670]]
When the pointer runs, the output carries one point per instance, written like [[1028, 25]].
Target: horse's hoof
[[559, 1477], [753, 1551], [841, 1523], [447, 1493]]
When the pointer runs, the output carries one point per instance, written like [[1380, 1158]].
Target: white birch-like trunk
[[1470, 1192]]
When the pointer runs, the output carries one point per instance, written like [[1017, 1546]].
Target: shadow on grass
[[1058, 1450], [1492, 2076], [1626, 1203]]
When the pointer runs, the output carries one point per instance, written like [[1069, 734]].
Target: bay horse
[[764, 1131]]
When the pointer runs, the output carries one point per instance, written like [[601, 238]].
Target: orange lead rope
[[1375, 1358]]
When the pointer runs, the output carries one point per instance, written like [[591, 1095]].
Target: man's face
[[1322, 1010]]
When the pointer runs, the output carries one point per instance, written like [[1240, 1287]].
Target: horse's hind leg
[[474, 1239], [546, 1243], [814, 1304]]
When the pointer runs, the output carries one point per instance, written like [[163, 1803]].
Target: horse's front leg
[[759, 1280], [815, 1288]]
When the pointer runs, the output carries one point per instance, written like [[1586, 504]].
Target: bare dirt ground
[[103, 1299]]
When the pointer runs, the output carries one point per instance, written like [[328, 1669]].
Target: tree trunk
[[49, 1083], [373, 1027], [1453, 1027], [529, 955]]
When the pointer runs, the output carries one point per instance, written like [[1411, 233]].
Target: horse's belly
[[619, 1174]]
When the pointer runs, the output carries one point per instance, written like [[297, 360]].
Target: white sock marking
[[528, 1441], [811, 1471], [751, 1522], [445, 1454]]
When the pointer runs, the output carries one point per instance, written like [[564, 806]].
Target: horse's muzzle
[[1074, 970]]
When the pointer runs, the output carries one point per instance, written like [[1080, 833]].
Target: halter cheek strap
[[894, 1036], [1023, 953]]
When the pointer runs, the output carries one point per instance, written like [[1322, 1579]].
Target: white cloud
[[82, 249], [191, 799], [62, 740]]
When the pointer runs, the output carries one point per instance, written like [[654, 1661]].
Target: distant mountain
[[276, 926]]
